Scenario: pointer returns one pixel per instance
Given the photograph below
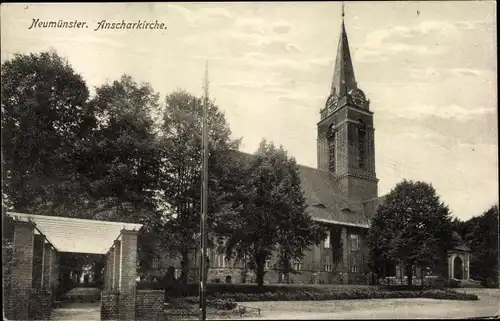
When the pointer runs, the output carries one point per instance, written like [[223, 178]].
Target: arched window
[[361, 144], [332, 148]]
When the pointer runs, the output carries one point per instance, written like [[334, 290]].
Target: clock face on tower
[[358, 97], [331, 102]]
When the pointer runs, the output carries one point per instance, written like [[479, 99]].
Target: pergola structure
[[36, 244]]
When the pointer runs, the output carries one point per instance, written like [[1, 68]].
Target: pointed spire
[[343, 74]]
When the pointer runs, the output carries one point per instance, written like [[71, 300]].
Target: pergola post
[[54, 269], [110, 259], [38, 242], [128, 275], [22, 271], [47, 267], [109, 299], [116, 264], [106, 271]]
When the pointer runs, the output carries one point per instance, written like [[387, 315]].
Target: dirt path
[[78, 311]]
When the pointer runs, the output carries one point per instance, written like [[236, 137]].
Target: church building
[[341, 193]]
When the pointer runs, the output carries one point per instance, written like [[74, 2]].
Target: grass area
[[188, 309]]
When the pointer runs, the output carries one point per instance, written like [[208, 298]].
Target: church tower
[[346, 147]]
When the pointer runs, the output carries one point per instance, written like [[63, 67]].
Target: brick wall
[[116, 265], [126, 306], [22, 270], [128, 258], [110, 261], [108, 275], [40, 304], [109, 305], [128, 275], [149, 305], [7, 252], [222, 273]]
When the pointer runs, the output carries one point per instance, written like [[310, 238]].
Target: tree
[[413, 227], [481, 235], [44, 115], [272, 213], [119, 163], [379, 242], [180, 188], [64, 154]]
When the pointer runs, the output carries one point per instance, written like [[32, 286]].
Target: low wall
[[19, 303], [40, 304], [109, 305], [149, 305], [7, 252], [126, 307]]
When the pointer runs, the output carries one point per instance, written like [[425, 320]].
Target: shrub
[[251, 292], [346, 294], [219, 304], [401, 287]]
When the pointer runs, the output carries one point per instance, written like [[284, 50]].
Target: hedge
[[346, 294], [192, 289], [219, 304], [252, 292]]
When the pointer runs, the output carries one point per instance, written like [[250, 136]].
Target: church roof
[[372, 205], [325, 203], [343, 73]]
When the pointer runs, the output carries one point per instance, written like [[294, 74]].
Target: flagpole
[[204, 204]]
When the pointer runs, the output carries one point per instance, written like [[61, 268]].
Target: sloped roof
[[77, 235], [325, 203], [458, 242], [372, 205]]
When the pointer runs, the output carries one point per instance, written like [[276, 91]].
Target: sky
[[428, 68]]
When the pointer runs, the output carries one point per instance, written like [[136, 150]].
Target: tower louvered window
[[331, 150], [361, 143]]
